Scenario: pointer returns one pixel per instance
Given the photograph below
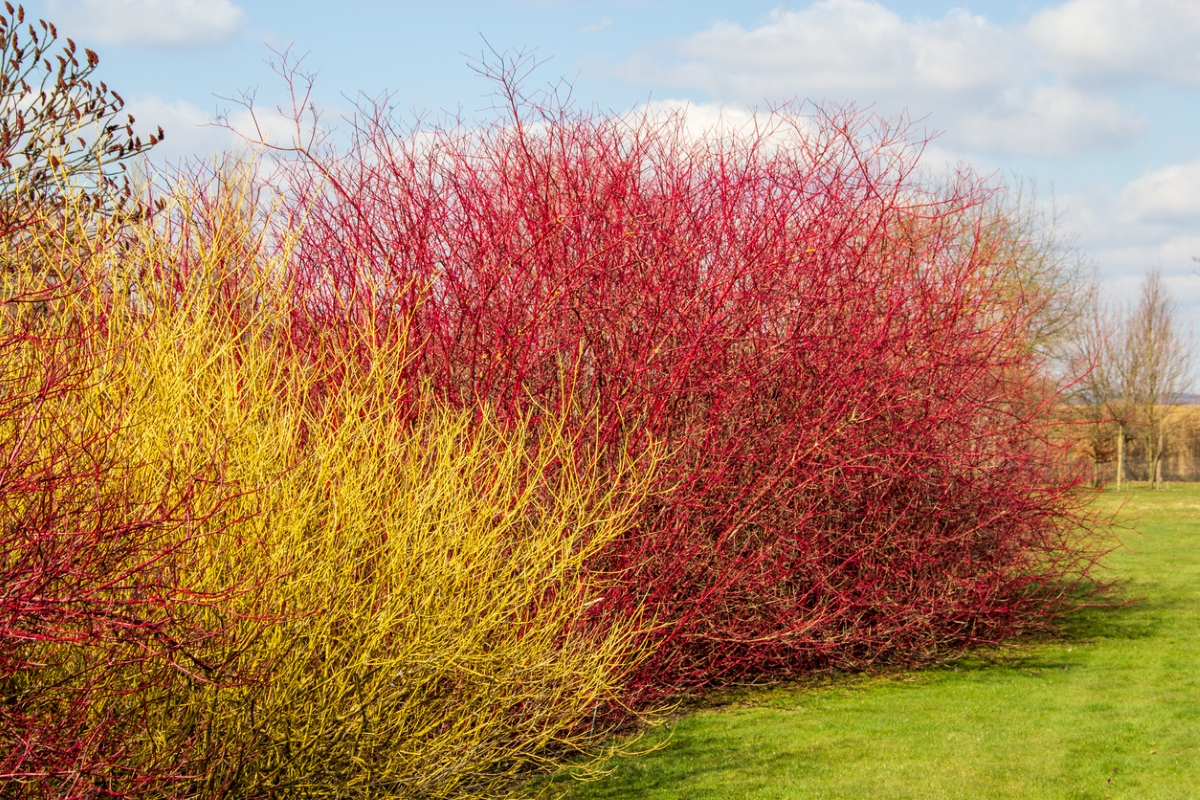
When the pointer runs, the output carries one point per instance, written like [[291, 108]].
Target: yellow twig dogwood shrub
[[376, 596]]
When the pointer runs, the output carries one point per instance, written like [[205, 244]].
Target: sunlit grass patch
[[1111, 709]]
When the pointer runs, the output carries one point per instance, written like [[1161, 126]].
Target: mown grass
[[1111, 710]]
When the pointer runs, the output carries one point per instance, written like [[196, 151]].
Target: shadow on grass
[[1126, 619], [1140, 618]]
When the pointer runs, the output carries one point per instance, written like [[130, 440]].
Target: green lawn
[[1113, 710]]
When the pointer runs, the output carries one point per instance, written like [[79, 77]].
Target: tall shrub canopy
[[835, 351]]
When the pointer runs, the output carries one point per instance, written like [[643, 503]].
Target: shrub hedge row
[[476, 441]]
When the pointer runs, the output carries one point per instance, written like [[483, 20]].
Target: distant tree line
[[1137, 361]]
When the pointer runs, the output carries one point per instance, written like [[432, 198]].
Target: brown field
[[1096, 442]]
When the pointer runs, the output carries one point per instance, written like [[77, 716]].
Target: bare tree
[[1102, 393], [1156, 365]]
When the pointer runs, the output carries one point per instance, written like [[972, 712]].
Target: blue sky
[[1097, 101]]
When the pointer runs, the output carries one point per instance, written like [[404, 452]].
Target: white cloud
[[1153, 220], [158, 23], [599, 26], [1086, 40], [1033, 89], [1054, 121], [836, 46], [701, 119], [191, 131], [1168, 195], [267, 126], [187, 128]]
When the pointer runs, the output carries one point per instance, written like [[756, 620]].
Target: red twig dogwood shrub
[[834, 350], [50, 568]]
